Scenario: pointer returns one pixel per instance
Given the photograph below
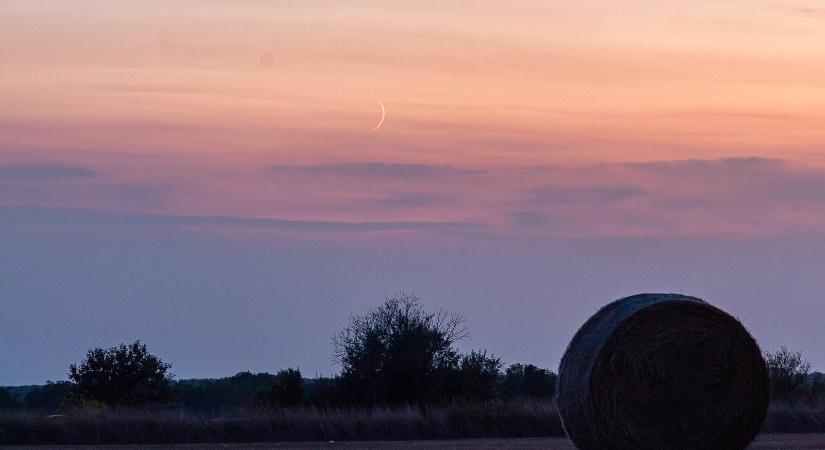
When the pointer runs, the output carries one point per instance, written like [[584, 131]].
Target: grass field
[[507, 425], [765, 441], [478, 421]]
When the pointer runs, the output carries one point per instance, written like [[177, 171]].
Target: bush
[[789, 374], [476, 376], [49, 397], [527, 380], [121, 376], [287, 389], [7, 399], [325, 392], [223, 395], [398, 353]]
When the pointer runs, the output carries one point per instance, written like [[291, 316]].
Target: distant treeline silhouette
[[397, 354], [402, 377]]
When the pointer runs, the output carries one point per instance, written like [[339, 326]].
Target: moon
[[383, 116]]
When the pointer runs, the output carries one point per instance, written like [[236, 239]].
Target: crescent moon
[[383, 116]]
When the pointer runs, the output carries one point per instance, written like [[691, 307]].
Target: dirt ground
[[765, 441]]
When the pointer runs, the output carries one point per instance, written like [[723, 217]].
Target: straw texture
[[662, 371]]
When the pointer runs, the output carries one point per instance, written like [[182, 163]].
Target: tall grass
[[796, 418], [494, 419], [479, 420]]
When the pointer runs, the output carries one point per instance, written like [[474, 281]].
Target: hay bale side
[[662, 371]]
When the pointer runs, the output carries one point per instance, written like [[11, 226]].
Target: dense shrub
[[127, 375], [287, 390], [791, 378], [325, 392], [49, 397], [220, 395], [7, 399], [398, 353], [527, 380], [475, 377]]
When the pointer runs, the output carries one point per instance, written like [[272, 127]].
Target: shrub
[[398, 353], [49, 397], [476, 376], [287, 389], [223, 395], [789, 373], [7, 399], [127, 375], [325, 392], [527, 380]]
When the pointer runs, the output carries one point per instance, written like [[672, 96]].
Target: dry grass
[[489, 421], [513, 419], [801, 418]]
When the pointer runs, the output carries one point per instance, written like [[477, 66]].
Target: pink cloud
[[719, 197]]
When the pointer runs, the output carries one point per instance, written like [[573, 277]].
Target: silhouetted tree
[[325, 392], [247, 385], [789, 373], [527, 380], [476, 376], [816, 382], [127, 375], [7, 399], [398, 353], [287, 389], [49, 397], [222, 395]]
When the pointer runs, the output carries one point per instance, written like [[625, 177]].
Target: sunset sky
[[201, 174]]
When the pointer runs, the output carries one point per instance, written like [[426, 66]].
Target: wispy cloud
[[44, 172], [412, 200], [727, 196], [724, 196], [587, 195], [710, 167], [78, 216], [375, 169], [756, 196]]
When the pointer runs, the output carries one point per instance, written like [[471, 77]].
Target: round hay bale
[[662, 371]]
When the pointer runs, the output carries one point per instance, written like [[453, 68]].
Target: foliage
[[216, 396], [7, 399], [127, 375], [287, 389], [527, 380], [476, 376], [49, 397], [789, 373], [398, 353], [325, 392]]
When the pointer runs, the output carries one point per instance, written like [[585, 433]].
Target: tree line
[[397, 354]]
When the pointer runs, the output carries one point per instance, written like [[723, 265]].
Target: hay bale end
[[662, 371]]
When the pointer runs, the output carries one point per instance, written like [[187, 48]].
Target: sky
[[206, 176]]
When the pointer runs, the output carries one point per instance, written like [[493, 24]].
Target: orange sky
[[198, 107], [200, 173]]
